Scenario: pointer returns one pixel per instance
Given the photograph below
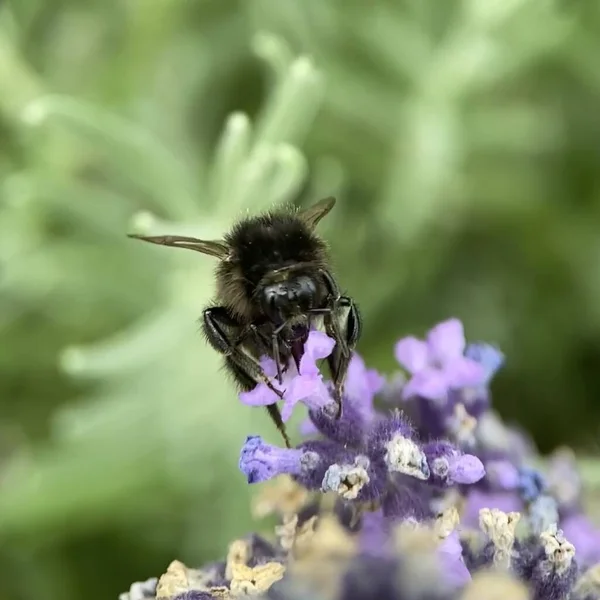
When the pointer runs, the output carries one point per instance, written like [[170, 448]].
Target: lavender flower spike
[[260, 461], [438, 364]]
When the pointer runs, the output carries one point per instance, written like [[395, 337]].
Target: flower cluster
[[416, 491]]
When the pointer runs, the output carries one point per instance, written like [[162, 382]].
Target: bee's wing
[[313, 214], [211, 247]]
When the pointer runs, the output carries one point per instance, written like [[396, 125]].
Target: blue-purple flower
[[438, 364], [303, 384]]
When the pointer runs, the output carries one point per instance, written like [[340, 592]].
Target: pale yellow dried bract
[[291, 537], [173, 582], [352, 482], [501, 528], [329, 538], [492, 585], [558, 550], [305, 535], [220, 592], [179, 579], [255, 580], [238, 554], [320, 557], [446, 523], [281, 496], [286, 532]]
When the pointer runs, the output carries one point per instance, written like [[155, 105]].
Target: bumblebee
[[273, 284]]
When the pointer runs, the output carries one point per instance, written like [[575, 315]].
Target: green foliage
[[461, 138]]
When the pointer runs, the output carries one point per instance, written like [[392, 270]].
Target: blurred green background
[[462, 139]]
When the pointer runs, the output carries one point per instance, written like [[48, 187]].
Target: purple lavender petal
[[261, 395], [375, 381], [308, 366], [260, 461], [412, 354], [584, 535], [361, 380], [462, 372], [310, 390], [307, 427], [454, 570], [319, 344], [466, 469], [429, 383], [502, 474], [269, 366], [359, 385], [446, 341]]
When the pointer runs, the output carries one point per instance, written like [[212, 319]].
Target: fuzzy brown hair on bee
[[274, 284]]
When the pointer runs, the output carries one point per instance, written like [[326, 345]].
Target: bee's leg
[[353, 320], [275, 415], [346, 335], [261, 338], [275, 350], [270, 346], [216, 320], [349, 333], [248, 383]]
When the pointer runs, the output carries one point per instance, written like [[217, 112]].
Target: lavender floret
[[438, 364], [449, 466], [260, 461]]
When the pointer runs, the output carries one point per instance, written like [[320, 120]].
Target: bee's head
[[284, 297], [268, 261]]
